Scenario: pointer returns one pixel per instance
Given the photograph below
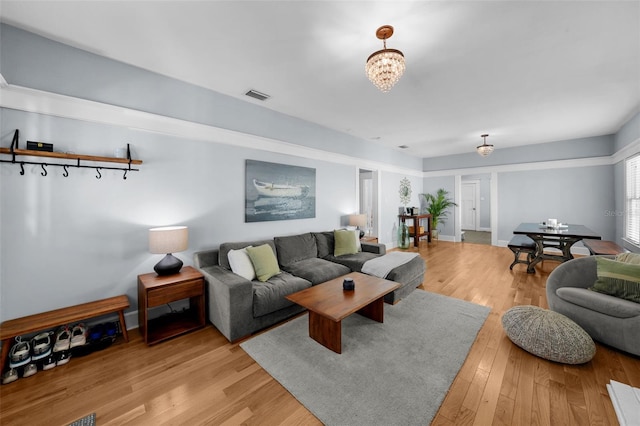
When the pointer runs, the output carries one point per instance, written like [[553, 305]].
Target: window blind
[[632, 215]]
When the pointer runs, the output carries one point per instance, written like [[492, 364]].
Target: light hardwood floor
[[200, 378]]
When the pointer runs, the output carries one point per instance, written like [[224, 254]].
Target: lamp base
[[169, 265]]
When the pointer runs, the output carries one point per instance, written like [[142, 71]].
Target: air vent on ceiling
[[257, 95], [403, 146]]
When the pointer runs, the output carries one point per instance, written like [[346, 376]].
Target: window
[[632, 200]]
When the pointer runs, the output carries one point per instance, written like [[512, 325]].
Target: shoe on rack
[[41, 346], [111, 328], [79, 335], [20, 354], [9, 376], [63, 358], [30, 370], [96, 333], [49, 362], [63, 339]]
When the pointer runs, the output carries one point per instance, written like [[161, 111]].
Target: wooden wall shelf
[[14, 152], [62, 155]]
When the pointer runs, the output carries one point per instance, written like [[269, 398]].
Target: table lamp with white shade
[[168, 240], [359, 221]]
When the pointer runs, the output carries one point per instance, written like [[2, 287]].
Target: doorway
[[470, 204], [368, 199], [476, 209]]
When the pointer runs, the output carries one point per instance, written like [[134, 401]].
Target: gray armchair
[[607, 319]]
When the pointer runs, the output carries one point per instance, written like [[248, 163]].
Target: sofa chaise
[[238, 306]]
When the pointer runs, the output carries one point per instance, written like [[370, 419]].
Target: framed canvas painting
[[276, 191]]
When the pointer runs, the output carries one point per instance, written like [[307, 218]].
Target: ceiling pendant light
[[385, 67], [484, 149]]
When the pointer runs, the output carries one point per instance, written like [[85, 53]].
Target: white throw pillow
[[241, 264], [356, 234]]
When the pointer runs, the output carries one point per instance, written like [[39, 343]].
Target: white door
[[468, 208]]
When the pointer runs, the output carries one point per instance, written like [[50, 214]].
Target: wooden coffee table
[[329, 304]]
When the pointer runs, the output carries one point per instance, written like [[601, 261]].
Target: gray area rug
[[396, 373]]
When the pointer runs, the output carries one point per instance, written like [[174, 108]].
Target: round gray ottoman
[[548, 334]]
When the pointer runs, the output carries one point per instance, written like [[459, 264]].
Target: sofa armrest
[[374, 248], [203, 259], [580, 273], [230, 301]]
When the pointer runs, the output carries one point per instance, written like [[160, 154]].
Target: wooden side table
[[416, 234], [369, 239], [155, 290]]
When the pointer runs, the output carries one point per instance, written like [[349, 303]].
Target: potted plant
[[437, 207]]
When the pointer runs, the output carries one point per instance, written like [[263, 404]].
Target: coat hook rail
[[65, 166]]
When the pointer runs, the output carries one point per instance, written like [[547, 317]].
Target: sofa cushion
[[264, 261], [325, 243], [548, 334], [618, 279], [241, 264], [346, 242], [353, 261], [292, 249], [317, 270], [603, 303], [269, 296], [223, 253]]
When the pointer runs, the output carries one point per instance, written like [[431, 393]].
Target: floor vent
[[257, 95]]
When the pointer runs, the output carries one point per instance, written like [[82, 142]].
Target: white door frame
[[375, 175], [493, 211], [476, 197]]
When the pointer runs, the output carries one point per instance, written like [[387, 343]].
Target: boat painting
[[270, 189], [279, 192]]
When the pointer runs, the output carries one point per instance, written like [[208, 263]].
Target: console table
[[416, 234]]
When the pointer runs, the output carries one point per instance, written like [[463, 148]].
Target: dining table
[[559, 237]]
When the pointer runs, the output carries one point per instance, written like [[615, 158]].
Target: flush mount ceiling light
[[484, 149], [385, 67]]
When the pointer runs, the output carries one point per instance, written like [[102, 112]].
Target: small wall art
[[276, 191]]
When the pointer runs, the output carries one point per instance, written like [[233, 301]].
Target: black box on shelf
[[39, 146]]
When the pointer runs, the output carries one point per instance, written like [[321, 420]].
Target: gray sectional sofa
[[239, 307], [607, 319]]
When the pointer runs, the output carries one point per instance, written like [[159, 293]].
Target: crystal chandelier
[[484, 149], [385, 67]]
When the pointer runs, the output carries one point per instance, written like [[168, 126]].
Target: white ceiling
[[524, 72]]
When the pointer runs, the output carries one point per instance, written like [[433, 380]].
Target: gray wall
[[76, 239], [596, 146], [579, 195], [630, 132], [70, 240], [32, 61]]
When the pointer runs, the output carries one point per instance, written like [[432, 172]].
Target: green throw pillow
[[345, 242], [618, 279], [264, 261]]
